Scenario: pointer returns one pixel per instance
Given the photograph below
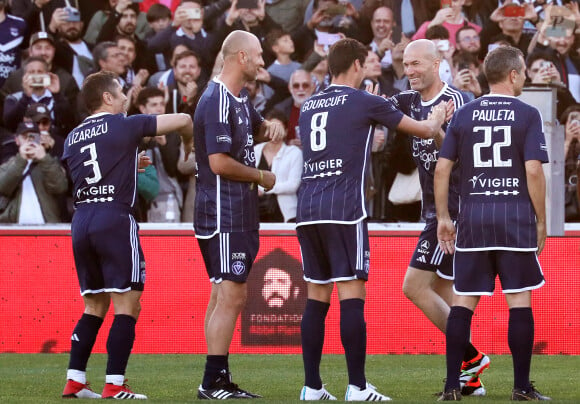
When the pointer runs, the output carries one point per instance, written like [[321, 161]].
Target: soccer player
[[501, 226], [429, 278], [336, 127], [226, 205], [101, 157]]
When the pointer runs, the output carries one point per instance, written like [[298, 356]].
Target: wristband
[[261, 177]]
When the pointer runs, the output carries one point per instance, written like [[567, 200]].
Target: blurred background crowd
[[165, 51]]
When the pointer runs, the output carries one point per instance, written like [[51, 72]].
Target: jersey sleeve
[[450, 142], [383, 111], [255, 118], [142, 126], [535, 146], [216, 121]]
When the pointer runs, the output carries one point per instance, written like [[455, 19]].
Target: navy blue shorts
[[428, 256], [475, 271], [229, 256], [334, 252], [107, 251]]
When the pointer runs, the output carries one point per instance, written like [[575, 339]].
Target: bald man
[[429, 279], [226, 126]]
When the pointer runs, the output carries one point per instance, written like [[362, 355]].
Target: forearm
[[537, 189], [225, 166], [441, 188]]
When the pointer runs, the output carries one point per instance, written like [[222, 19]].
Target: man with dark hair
[[188, 81], [336, 128], [226, 215], [467, 39], [501, 223], [101, 157], [108, 57]]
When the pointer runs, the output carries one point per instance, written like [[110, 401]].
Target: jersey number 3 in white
[[93, 163], [487, 142], [318, 131]]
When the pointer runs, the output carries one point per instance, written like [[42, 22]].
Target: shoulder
[[15, 20]]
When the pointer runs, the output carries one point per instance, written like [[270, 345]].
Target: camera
[[545, 64], [247, 4], [72, 14], [39, 80], [514, 10], [335, 9], [462, 66], [193, 13], [34, 137]]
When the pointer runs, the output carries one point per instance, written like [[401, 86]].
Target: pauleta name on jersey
[[324, 102], [490, 115], [88, 133]]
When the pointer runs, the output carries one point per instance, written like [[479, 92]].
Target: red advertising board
[[40, 301]]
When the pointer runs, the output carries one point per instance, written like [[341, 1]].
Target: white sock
[[77, 375], [117, 380]]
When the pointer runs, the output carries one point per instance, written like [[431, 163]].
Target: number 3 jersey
[[492, 138], [336, 130], [101, 157]]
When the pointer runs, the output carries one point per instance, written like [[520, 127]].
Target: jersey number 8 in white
[[318, 131], [487, 142]]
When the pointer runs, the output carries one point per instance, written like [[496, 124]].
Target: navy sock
[[457, 339], [120, 343], [521, 343], [312, 334], [82, 341], [470, 353], [214, 365], [353, 334]]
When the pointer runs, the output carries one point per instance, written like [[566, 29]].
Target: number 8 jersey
[[336, 130], [101, 156], [492, 138]]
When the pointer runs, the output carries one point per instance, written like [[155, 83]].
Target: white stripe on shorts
[[225, 253], [135, 270], [359, 246]]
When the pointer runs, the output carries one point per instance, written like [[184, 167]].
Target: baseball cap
[[41, 36], [36, 112], [26, 127]]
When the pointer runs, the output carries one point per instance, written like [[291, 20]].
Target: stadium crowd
[[165, 51]]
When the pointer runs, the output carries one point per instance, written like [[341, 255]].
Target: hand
[[41, 3], [572, 129], [386, 44], [54, 86], [26, 85], [161, 140], [446, 236], [32, 151], [141, 77], [187, 149], [163, 87], [263, 75], [143, 162], [442, 15], [267, 180], [438, 113], [122, 5], [378, 140], [320, 49], [59, 16], [351, 11], [295, 142], [316, 18], [575, 8], [180, 16], [449, 109], [46, 140], [190, 92], [233, 13], [530, 12], [259, 12], [275, 131]]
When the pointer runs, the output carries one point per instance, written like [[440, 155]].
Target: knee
[[411, 290], [235, 300]]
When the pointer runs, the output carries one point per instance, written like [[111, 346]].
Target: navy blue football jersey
[[12, 31], [424, 151], [101, 157], [492, 138], [336, 129], [224, 123]]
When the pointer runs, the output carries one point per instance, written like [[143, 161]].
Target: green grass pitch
[[39, 378]]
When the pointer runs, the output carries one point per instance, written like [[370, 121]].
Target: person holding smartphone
[[449, 16], [32, 181]]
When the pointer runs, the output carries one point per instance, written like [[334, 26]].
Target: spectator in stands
[[108, 56], [465, 69], [394, 75], [187, 168], [571, 117], [289, 14], [467, 39], [301, 87], [373, 74], [185, 83], [12, 32], [382, 24], [164, 154], [159, 18], [32, 180], [440, 36], [136, 73], [50, 138], [542, 71], [512, 27], [451, 18], [42, 46], [285, 161], [187, 29], [282, 46], [38, 85], [478, 11], [101, 16], [72, 53], [124, 23], [411, 14], [36, 13]]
